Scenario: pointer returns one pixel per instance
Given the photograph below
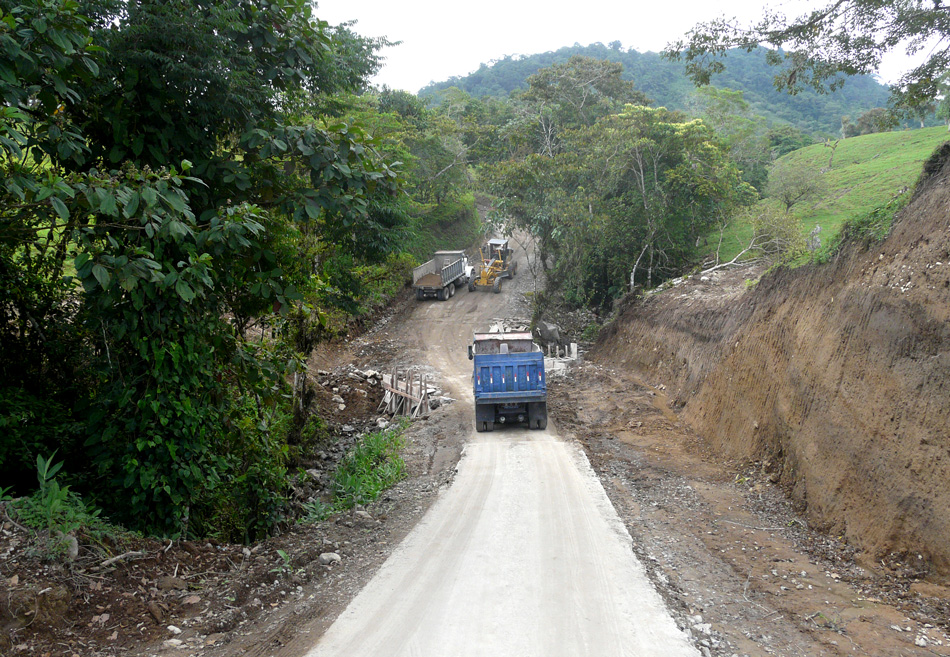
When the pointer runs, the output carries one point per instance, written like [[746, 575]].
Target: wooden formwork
[[405, 394]]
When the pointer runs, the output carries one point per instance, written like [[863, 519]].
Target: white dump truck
[[441, 276]]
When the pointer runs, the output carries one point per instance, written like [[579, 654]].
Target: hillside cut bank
[[834, 376]]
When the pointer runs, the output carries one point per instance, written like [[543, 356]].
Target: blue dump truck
[[508, 380]]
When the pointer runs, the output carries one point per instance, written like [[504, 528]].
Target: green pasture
[[865, 172]]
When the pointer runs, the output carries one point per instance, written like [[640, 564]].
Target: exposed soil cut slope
[[834, 376]]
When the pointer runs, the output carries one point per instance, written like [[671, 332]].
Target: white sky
[[442, 38]]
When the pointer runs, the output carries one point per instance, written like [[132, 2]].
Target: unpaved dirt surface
[[738, 570]]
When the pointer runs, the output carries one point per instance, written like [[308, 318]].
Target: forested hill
[[667, 85]]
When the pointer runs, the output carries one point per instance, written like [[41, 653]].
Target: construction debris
[[406, 394]]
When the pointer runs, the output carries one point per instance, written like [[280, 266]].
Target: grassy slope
[[866, 172]]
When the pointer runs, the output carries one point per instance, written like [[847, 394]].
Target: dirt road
[[522, 555]]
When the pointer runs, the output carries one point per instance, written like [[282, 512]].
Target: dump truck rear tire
[[420, 295], [538, 415]]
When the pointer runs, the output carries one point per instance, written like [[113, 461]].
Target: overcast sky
[[441, 38]]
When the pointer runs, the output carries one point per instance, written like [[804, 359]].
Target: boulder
[[549, 333]]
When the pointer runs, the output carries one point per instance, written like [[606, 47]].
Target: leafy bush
[[247, 500], [54, 509], [372, 466], [159, 286]]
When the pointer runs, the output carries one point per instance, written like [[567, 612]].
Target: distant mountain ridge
[[668, 86]]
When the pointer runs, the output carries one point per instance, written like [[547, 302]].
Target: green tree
[[103, 100], [848, 128], [783, 140], [576, 93], [817, 49], [730, 116], [624, 203], [876, 120], [43, 375], [943, 110], [791, 184]]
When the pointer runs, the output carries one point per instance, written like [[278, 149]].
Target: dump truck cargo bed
[[442, 275], [508, 380]]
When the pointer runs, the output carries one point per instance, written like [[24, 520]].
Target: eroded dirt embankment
[[836, 376]]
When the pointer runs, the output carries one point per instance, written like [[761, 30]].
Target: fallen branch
[[121, 557], [11, 520], [752, 246]]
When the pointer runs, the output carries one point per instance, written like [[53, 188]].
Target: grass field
[[866, 172]]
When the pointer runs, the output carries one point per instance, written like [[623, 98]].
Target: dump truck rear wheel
[[451, 289], [420, 295], [538, 415]]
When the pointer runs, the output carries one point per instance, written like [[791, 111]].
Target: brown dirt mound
[[836, 375]]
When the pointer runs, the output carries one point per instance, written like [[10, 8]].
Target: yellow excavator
[[497, 263]]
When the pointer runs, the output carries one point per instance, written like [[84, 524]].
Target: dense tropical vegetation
[[176, 175], [823, 48], [668, 85]]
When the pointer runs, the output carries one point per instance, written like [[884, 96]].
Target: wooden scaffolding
[[405, 396]]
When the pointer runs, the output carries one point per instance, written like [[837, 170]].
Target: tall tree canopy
[[666, 83], [623, 203], [576, 93], [152, 172], [845, 37]]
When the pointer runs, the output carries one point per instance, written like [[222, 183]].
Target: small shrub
[[778, 235], [248, 498], [372, 466], [590, 332], [55, 510], [309, 431]]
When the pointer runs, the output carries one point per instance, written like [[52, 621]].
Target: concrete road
[[522, 555]]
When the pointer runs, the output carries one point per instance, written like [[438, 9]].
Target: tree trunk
[[650, 269]]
